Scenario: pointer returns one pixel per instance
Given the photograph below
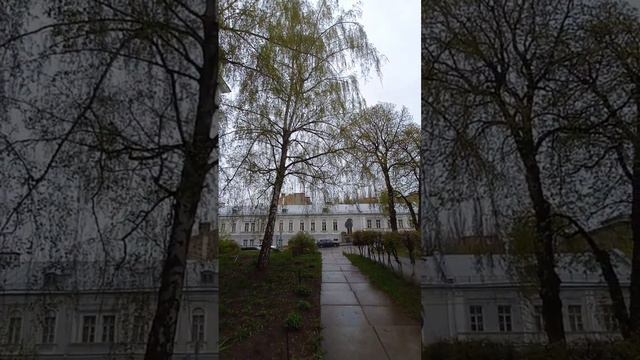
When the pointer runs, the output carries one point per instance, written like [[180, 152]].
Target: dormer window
[[9, 259], [284, 210], [325, 210], [51, 280], [207, 277]]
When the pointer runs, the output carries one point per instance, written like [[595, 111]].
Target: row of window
[[251, 226], [96, 328], [574, 312]]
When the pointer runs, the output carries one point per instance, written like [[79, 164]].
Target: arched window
[[197, 325]]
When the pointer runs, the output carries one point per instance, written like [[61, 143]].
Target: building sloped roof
[[25, 276], [461, 270], [313, 209]]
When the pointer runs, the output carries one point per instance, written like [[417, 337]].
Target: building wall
[[446, 313], [69, 309], [257, 223]]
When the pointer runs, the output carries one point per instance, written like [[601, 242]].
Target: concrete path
[[359, 321]]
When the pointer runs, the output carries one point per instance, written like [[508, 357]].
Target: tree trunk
[[610, 276], [615, 291], [414, 218], [634, 289], [549, 281], [393, 219], [265, 249], [196, 163]]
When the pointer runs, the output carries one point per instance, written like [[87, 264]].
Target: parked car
[[326, 243], [273, 248], [336, 242]]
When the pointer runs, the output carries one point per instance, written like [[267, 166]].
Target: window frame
[[505, 318], [49, 330], [83, 327], [198, 335], [576, 319], [476, 318], [14, 334], [112, 329], [139, 329]]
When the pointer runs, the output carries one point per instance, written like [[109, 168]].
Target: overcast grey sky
[[394, 29]]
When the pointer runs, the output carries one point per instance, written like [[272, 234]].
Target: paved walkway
[[359, 321]]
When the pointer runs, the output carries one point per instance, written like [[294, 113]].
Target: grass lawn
[[403, 292], [254, 306]]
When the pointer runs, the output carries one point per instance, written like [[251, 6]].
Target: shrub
[[294, 321], [392, 242], [302, 244], [411, 241], [304, 305], [303, 291], [228, 246]]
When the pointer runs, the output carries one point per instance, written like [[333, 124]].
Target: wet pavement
[[359, 321]]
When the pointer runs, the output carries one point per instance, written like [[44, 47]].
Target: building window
[[15, 330], [49, 329], [290, 226], [324, 226], [222, 226], [233, 227], [368, 223], [537, 318], [313, 226], [108, 328], [245, 243], [253, 227], [504, 317], [378, 224], [139, 332], [207, 277], [88, 329], [400, 225], [607, 318], [251, 242], [197, 326], [301, 226], [335, 225], [475, 318], [284, 210], [280, 226], [575, 318], [246, 227]]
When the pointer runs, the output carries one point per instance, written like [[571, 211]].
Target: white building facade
[[86, 310], [246, 225], [468, 297]]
